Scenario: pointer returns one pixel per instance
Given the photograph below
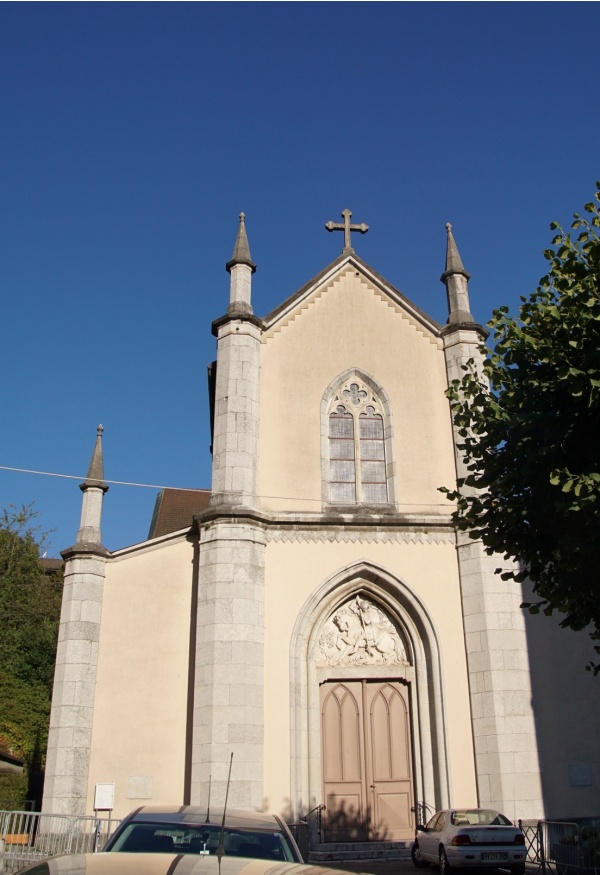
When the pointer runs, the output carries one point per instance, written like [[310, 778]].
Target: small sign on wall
[[139, 787], [580, 775], [104, 796]]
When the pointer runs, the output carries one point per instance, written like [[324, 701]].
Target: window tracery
[[357, 463]]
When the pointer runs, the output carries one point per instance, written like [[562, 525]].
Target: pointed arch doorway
[[386, 637], [367, 760], [366, 738]]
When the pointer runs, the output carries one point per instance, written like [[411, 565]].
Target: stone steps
[[337, 852]]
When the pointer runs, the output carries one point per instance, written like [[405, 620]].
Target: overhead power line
[[84, 477], [192, 488]]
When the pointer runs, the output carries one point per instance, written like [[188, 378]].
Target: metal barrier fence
[[26, 836], [569, 848], [532, 840]]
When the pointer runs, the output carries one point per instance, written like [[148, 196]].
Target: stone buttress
[[70, 736], [495, 638], [229, 671]]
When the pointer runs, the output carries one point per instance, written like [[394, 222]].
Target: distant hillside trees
[[30, 602]]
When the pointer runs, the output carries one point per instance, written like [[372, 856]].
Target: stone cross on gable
[[346, 227]]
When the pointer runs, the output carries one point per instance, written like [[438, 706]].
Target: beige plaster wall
[[138, 739], [346, 324], [293, 572]]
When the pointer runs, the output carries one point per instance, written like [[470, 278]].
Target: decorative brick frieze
[[362, 536]]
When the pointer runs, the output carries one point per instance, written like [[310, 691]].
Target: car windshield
[[479, 817], [203, 839]]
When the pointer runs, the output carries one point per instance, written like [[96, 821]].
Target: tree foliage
[[29, 616], [530, 429]]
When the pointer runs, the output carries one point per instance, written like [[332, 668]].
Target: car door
[[429, 839]]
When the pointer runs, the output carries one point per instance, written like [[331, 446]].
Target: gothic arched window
[[357, 463]]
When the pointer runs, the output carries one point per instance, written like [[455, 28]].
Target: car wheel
[[445, 866], [416, 857], [517, 869]]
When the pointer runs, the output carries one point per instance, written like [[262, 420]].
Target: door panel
[[343, 733], [366, 760], [388, 742], [342, 742]]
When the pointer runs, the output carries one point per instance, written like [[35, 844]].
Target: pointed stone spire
[[95, 475], [241, 267], [453, 260], [93, 489], [241, 250], [456, 279]]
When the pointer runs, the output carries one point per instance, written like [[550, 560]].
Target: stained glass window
[[342, 456], [357, 468]]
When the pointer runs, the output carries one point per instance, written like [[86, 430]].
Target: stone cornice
[[453, 327], [237, 316], [335, 526], [85, 549]]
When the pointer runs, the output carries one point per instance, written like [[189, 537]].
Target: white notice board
[[104, 797]]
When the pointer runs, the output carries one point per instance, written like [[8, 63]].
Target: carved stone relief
[[360, 633]]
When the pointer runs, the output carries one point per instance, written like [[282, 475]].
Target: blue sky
[[134, 133]]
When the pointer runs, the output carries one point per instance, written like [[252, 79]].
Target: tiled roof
[[175, 509], [51, 566]]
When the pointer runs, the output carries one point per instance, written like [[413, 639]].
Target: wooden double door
[[367, 760]]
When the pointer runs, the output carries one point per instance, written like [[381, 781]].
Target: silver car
[[190, 829], [470, 837]]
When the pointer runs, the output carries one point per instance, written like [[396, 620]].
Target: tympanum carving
[[360, 633]]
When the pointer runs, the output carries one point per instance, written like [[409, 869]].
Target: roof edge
[[351, 259]]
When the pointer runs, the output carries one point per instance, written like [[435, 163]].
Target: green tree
[[29, 616], [530, 430]]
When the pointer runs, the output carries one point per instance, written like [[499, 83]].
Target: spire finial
[[93, 488], [456, 279], [241, 250], [95, 475], [453, 260]]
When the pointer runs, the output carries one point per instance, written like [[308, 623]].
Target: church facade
[[316, 614]]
